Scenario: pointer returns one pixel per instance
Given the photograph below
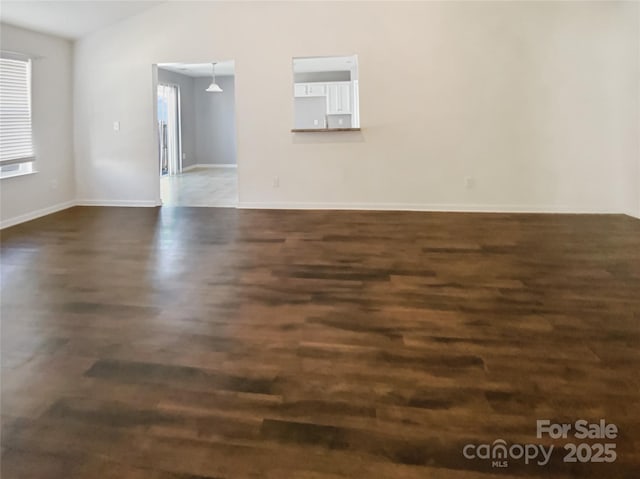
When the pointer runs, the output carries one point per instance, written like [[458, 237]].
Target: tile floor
[[201, 187]]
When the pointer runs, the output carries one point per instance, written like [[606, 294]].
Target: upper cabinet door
[[309, 89], [316, 89], [339, 98]]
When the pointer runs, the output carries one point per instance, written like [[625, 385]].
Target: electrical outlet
[[116, 126], [54, 184], [184, 156], [469, 182], [315, 123], [340, 121], [276, 182]]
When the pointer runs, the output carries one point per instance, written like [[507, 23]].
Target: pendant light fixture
[[214, 87]]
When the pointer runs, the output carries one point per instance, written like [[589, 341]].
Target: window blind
[[16, 139]]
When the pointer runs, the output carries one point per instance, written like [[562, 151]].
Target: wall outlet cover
[[469, 182]]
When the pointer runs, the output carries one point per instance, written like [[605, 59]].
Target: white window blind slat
[[16, 137]]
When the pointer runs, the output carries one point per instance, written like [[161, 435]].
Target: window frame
[[25, 165]]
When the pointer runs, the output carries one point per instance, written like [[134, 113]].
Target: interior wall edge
[[322, 206]]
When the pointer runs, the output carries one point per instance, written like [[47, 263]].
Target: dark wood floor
[[215, 343]]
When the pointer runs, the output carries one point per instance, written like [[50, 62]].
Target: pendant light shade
[[214, 87]]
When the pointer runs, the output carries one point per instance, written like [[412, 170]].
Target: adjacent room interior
[[326, 94], [319, 240], [197, 134]]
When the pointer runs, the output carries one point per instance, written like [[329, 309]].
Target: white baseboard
[[454, 208], [36, 214], [210, 165], [323, 206], [120, 203]]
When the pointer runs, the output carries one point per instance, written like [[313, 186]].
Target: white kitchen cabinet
[[309, 89], [339, 98], [316, 89]]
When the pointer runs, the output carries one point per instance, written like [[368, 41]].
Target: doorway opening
[[197, 134]]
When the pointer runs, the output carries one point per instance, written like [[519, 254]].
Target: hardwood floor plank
[[134, 372]]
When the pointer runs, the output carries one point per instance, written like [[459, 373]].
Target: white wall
[[534, 100], [52, 187]]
